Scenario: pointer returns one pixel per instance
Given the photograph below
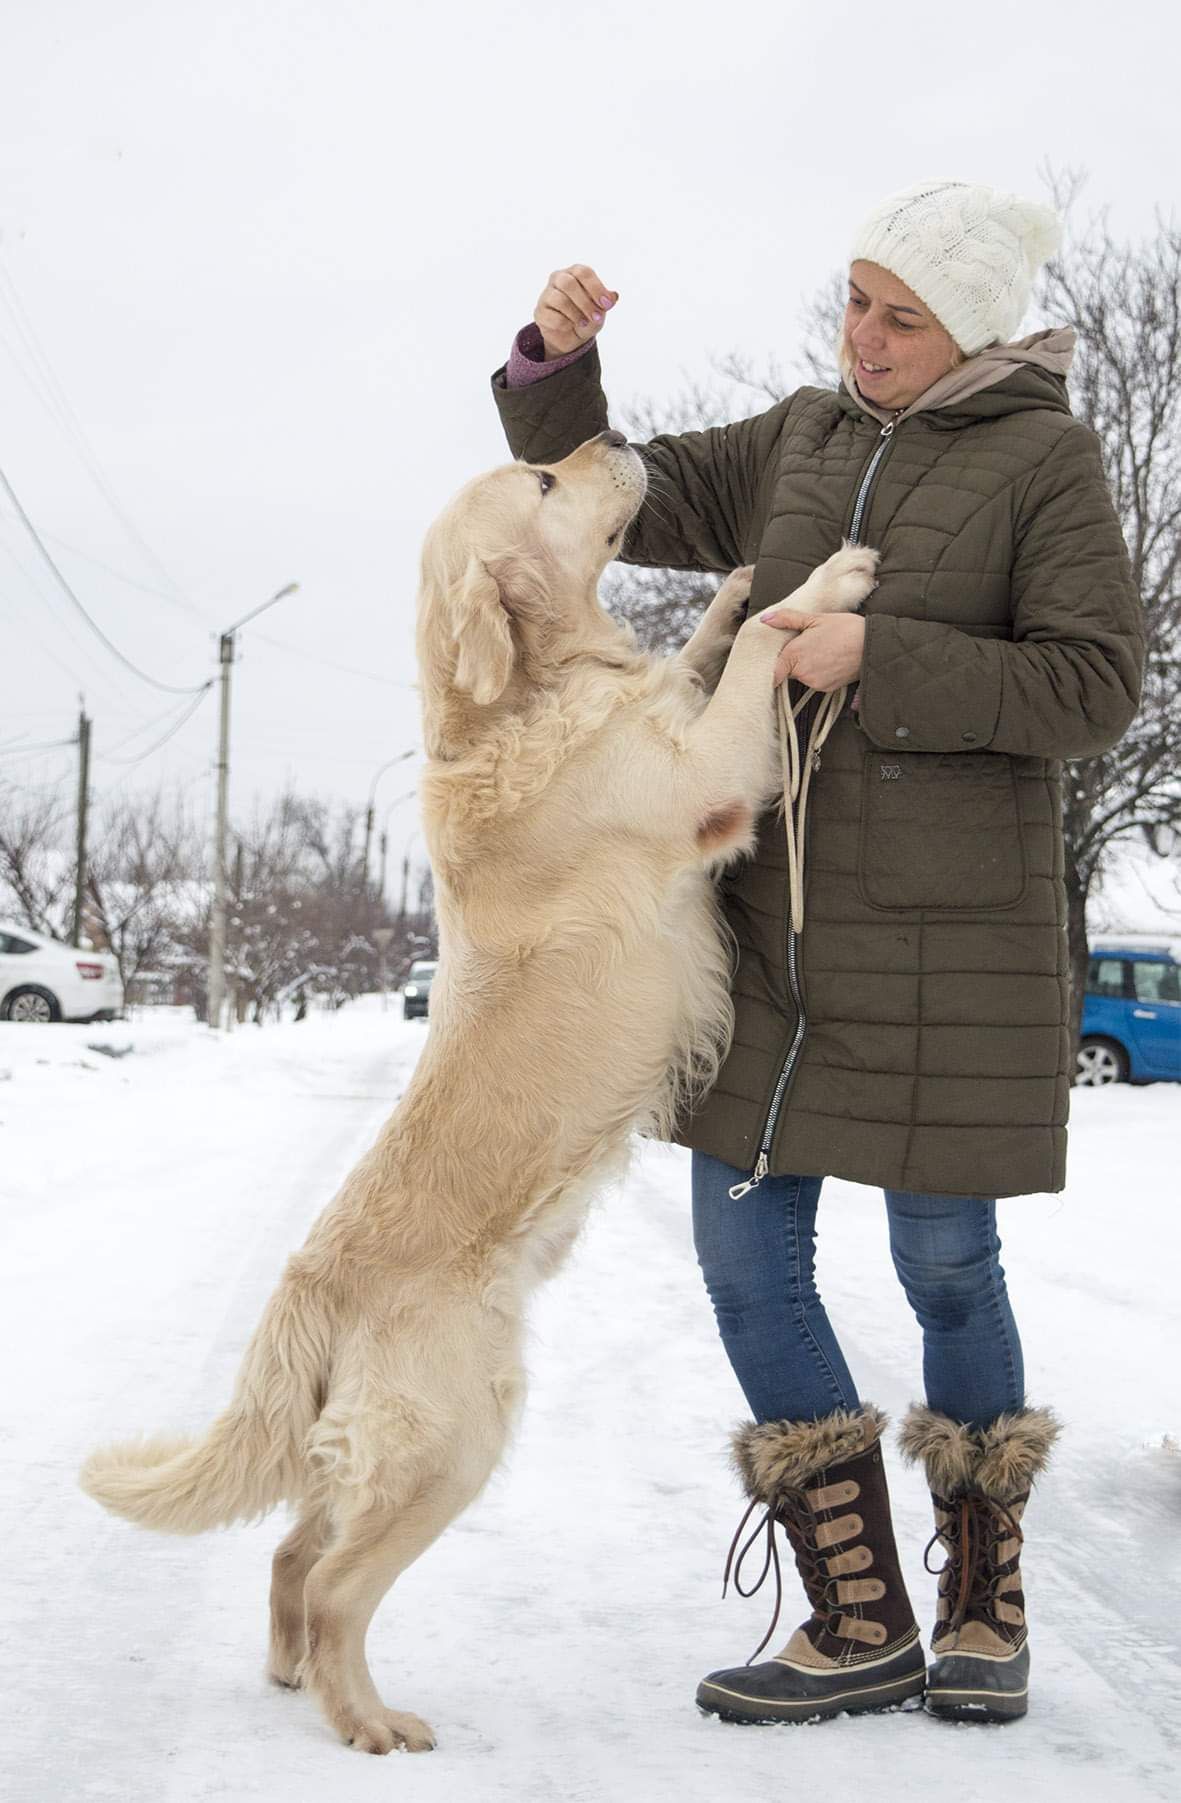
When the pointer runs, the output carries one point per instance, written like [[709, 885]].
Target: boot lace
[[792, 1511], [976, 1527]]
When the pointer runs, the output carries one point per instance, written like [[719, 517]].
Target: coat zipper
[[793, 975], [887, 438]]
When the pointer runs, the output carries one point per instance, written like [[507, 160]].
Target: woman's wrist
[[528, 361]]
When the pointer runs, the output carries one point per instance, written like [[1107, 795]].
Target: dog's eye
[[547, 481]]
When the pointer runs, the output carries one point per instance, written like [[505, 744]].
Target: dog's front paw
[[846, 578], [734, 593]]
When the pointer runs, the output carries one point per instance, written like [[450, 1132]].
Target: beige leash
[[797, 780]]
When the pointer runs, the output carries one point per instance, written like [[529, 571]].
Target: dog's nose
[[613, 438]]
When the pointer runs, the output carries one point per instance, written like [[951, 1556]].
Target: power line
[[54, 397], [107, 680], [53, 786], [116, 783], [147, 726], [104, 677], [185, 716], [145, 588], [21, 751], [327, 663], [167, 687], [263, 637], [43, 381]]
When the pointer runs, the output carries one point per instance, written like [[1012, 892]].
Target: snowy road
[[554, 1637]]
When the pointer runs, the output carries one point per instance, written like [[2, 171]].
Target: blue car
[[1131, 1016]]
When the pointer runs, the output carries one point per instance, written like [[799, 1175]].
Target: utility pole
[[232, 980], [83, 811], [385, 839], [405, 885], [217, 925], [401, 758]]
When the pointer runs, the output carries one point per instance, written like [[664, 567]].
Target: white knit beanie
[[970, 254]]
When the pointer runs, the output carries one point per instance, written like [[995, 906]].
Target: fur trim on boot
[[980, 1480], [824, 1484], [779, 1456], [1000, 1460]]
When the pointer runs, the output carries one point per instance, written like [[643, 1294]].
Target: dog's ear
[[483, 638]]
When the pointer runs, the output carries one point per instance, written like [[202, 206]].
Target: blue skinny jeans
[[757, 1255]]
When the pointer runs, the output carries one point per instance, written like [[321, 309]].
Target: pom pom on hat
[[970, 253]]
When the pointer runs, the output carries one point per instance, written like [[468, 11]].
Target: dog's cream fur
[[576, 794]]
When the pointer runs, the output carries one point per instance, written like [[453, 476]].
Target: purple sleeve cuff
[[527, 360]]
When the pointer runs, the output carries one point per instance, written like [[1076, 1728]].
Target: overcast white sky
[[273, 253]]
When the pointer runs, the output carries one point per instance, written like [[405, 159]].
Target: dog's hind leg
[[342, 1593], [294, 1558]]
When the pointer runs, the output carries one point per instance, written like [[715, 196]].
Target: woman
[[902, 1015]]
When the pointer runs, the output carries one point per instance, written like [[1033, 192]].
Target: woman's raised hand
[[571, 310]]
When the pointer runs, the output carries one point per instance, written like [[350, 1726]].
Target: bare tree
[[145, 859], [36, 870], [300, 915], [1124, 299], [271, 938], [298, 918], [663, 606]]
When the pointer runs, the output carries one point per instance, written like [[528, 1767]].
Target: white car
[[43, 980]]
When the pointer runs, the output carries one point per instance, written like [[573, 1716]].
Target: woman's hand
[[827, 653], [571, 310]]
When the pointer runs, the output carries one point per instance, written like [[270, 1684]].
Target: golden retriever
[[576, 794]]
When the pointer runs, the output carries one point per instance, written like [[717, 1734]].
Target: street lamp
[[409, 796], [217, 926], [400, 759]]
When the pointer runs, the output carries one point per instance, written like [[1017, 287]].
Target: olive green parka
[[915, 1034]]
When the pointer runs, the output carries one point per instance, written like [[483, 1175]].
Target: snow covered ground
[[555, 1635]]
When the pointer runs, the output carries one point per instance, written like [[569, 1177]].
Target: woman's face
[[895, 346]]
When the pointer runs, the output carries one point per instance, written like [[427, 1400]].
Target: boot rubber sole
[[979, 1688], [821, 1694], [977, 1705]]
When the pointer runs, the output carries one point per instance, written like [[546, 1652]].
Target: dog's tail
[[251, 1457]]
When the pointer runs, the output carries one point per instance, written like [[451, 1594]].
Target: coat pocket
[[940, 831]]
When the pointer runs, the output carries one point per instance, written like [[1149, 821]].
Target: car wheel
[[31, 1004], [1101, 1061]]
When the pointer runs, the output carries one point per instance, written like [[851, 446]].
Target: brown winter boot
[[824, 1483], [980, 1481]]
